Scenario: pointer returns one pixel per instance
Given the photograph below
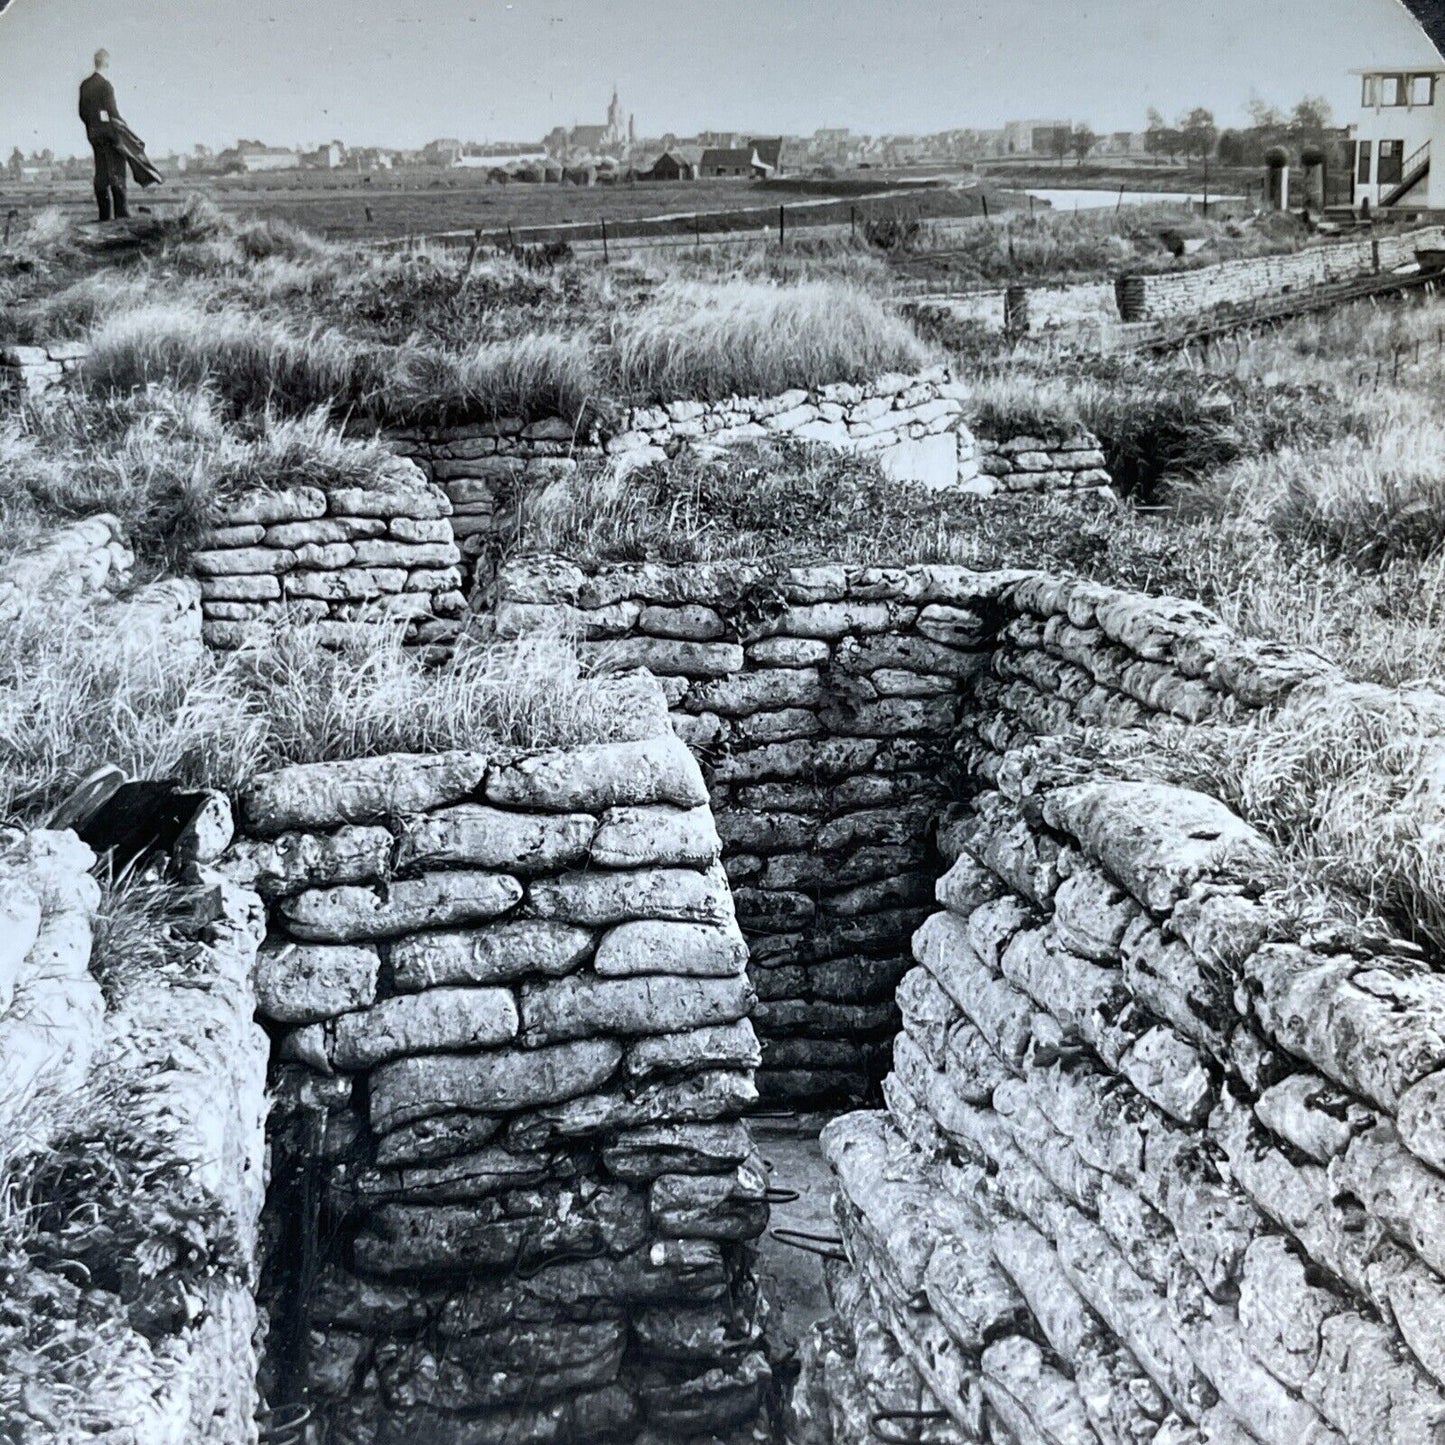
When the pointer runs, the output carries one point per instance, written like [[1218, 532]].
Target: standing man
[[98, 112]]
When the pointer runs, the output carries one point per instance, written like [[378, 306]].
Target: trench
[[591, 1264]]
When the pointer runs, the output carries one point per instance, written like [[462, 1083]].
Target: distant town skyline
[[401, 73]]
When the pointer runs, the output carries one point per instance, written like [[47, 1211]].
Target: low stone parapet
[[27, 371], [1156, 295], [74, 560], [915, 425]]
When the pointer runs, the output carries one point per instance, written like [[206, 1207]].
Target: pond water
[[1064, 199]]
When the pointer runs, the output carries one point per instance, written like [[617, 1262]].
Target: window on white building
[[1392, 90], [1422, 90], [1362, 163], [1370, 91]]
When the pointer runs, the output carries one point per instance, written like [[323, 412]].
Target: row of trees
[[1194, 135]]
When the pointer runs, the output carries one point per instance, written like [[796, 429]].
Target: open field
[[422, 201]]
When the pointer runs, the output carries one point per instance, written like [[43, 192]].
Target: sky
[[401, 72]]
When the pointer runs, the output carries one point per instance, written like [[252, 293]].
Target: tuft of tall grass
[[161, 459], [527, 377], [1367, 503], [376, 696], [78, 690], [251, 364], [1338, 778], [749, 338]]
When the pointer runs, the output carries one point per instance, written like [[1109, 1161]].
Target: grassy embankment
[[1271, 484]]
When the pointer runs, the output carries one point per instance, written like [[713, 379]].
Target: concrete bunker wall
[[510, 1009]]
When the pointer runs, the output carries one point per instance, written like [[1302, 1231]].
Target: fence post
[[983, 196], [852, 223], [697, 230], [782, 227], [1016, 311], [605, 259]]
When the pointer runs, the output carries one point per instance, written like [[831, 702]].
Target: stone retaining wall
[[27, 371], [515, 1195], [334, 558], [1034, 464], [1153, 296], [914, 424], [71, 561]]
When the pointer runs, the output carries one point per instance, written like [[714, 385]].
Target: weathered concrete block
[[656, 836], [1158, 841], [350, 913], [478, 836], [300, 983], [366, 790], [492, 953], [681, 895], [290, 862], [441, 1019], [500, 1081], [583, 1007], [650, 946], [604, 775]]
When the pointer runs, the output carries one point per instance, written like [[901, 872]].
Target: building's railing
[[1417, 165]]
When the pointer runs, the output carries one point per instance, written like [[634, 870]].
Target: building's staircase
[[1416, 168]]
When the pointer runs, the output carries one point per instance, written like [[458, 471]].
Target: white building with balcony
[[1401, 121]]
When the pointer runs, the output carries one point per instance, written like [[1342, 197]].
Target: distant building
[[768, 153], [327, 157], [720, 163], [479, 160], [1034, 137], [255, 157], [1399, 139], [442, 152], [670, 167], [615, 137]]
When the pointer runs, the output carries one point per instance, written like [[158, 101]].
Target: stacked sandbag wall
[[515, 1197], [1161, 1160], [822, 703], [1153, 296], [67, 563], [1038, 464], [335, 557]]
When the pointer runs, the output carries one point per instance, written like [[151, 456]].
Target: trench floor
[[792, 1278]]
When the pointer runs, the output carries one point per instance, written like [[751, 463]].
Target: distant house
[[719, 164], [254, 157], [1035, 137], [769, 153], [670, 167], [489, 160]]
